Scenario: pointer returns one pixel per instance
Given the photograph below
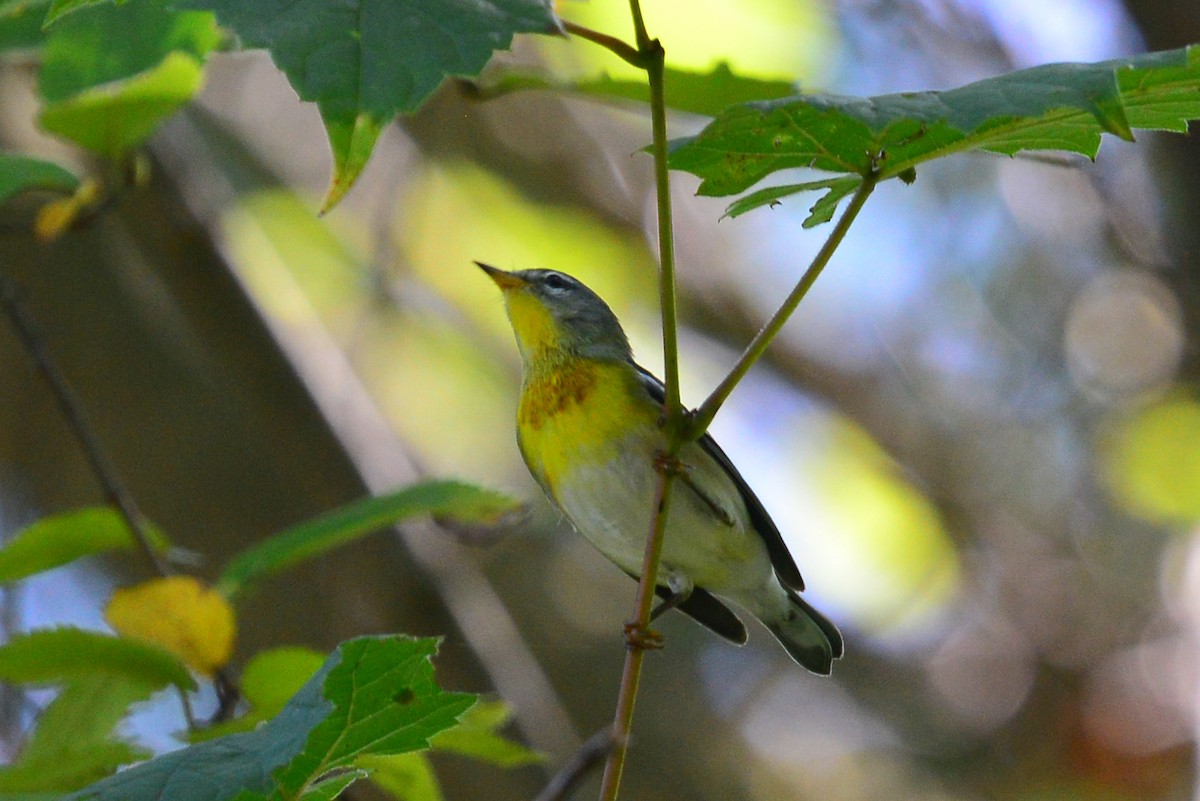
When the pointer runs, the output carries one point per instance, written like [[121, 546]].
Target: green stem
[[639, 26], [680, 427], [703, 416], [651, 57], [666, 241]]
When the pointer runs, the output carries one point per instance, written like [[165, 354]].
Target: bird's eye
[[556, 282]]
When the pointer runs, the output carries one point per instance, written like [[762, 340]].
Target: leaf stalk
[[702, 417]]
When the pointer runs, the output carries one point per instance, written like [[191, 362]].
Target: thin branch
[[666, 240], [591, 754], [632, 672], [676, 434], [650, 56], [186, 703], [228, 695], [114, 490], [678, 427], [72, 410], [639, 26], [653, 60], [703, 416], [622, 49]]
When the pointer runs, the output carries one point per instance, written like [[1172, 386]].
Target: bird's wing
[[781, 558]]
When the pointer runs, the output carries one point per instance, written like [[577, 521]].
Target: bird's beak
[[504, 280]]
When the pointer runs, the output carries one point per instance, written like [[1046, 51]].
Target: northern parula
[[589, 425]]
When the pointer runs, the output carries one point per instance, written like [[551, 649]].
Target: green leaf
[[821, 211], [363, 61], [272, 677], [351, 140], [22, 173], [73, 771], [269, 681], [706, 93], [386, 703], [72, 745], [83, 714], [104, 43], [111, 74], [21, 24], [410, 777], [476, 737], [1052, 107], [60, 8], [115, 118], [462, 502], [60, 539], [407, 777], [372, 696], [50, 656], [331, 788]]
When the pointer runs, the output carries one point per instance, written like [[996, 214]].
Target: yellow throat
[[580, 394]]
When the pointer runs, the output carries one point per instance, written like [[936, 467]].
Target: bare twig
[[228, 695], [649, 55], [590, 755], [639, 25], [655, 71], [114, 490], [654, 62], [72, 410], [621, 49], [638, 636]]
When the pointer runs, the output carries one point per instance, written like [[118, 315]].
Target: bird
[[590, 429]]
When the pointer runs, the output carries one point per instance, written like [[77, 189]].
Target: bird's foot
[[669, 465], [640, 638]]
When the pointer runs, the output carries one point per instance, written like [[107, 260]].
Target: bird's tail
[[807, 635]]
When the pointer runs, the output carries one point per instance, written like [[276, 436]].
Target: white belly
[[612, 505]]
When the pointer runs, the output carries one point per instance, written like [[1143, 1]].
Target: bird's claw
[[640, 638], [673, 466], [670, 465]]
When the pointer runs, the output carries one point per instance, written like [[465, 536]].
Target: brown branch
[[114, 490], [72, 410], [638, 637], [590, 755], [611, 43]]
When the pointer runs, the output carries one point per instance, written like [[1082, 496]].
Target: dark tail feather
[[808, 636], [709, 612]]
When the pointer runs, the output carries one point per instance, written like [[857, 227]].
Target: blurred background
[[980, 434]]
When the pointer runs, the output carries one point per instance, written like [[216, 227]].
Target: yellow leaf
[[179, 614]]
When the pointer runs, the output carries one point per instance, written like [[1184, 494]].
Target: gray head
[[555, 315]]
